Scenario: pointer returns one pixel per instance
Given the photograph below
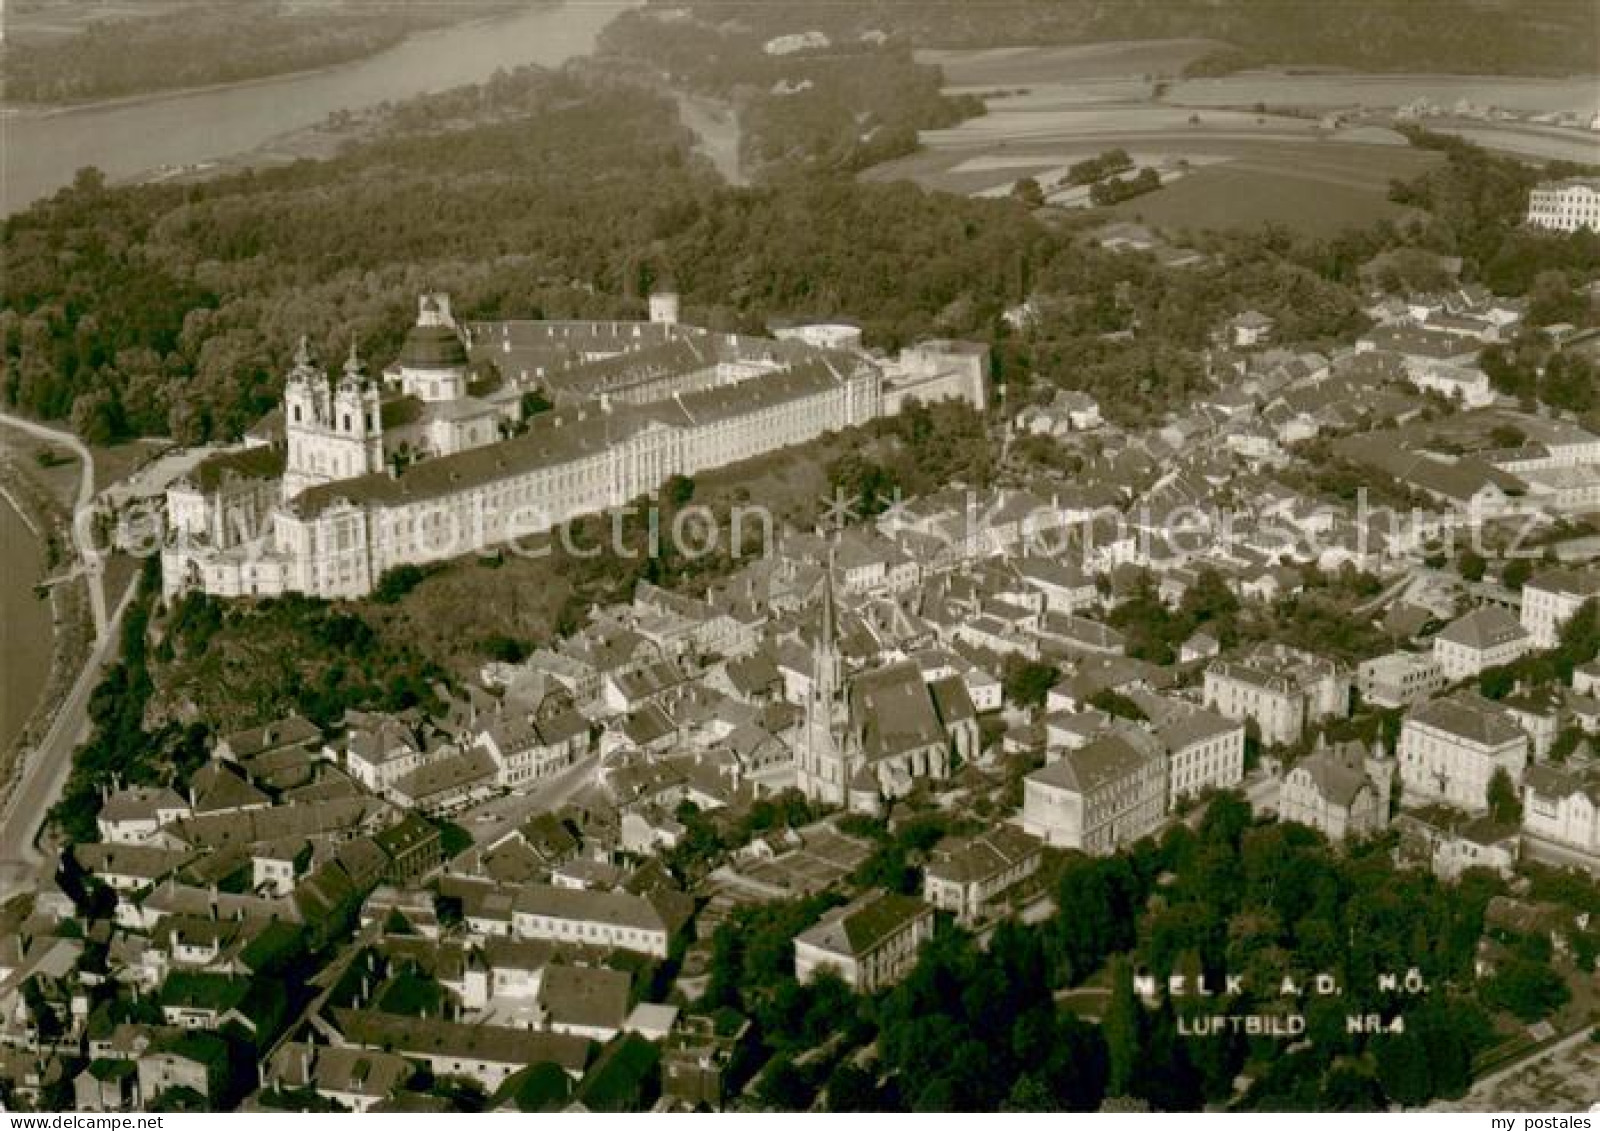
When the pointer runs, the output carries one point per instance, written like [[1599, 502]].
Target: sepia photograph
[[760, 557]]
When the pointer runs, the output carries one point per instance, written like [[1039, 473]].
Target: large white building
[[946, 369], [970, 875], [611, 919], [1487, 637], [1399, 678], [1561, 804], [1282, 689], [1099, 798], [869, 944], [1450, 749], [413, 469], [1566, 205], [1204, 751], [1550, 598], [435, 460]]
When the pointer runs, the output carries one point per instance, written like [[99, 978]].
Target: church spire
[[827, 664], [830, 615], [353, 369], [824, 760]]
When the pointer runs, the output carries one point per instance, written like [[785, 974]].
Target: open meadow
[[1222, 179]]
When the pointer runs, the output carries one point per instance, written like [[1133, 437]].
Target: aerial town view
[[722, 556]]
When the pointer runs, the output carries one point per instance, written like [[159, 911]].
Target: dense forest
[[1003, 1026], [187, 43], [834, 107], [171, 309]]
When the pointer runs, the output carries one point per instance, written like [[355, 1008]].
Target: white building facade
[[1487, 637], [1450, 749], [1550, 598], [1566, 205], [361, 496]]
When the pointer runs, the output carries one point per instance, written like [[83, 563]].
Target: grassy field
[[1309, 189], [51, 465], [1527, 141], [1051, 107], [1304, 183]]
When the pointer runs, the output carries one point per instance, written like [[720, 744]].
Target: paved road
[[90, 560], [1486, 1093], [495, 818], [66, 439], [48, 764]]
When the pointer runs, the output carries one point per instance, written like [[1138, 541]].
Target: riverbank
[[15, 111], [25, 620], [125, 138], [43, 638]]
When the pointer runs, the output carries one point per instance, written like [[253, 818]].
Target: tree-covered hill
[[172, 309], [1448, 36]]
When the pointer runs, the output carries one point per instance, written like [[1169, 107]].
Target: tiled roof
[[896, 711], [494, 1043], [616, 908], [1569, 582], [861, 926], [1470, 717], [1195, 726], [1486, 627], [568, 436], [967, 860], [1336, 777], [140, 804], [1107, 759], [590, 997]]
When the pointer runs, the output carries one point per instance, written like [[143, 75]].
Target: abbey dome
[[433, 346]]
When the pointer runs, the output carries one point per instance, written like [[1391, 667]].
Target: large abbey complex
[[444, 454]]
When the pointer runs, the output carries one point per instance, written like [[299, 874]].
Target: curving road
[[67, 439], [45, 771]]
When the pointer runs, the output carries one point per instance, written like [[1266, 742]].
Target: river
[[41, 150], [25, 631]]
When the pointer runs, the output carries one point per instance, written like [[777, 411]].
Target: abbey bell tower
[[333, 432]]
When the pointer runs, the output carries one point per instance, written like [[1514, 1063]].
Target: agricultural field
[[1225, 179], [36, 22], [1310, 157], [1011, 66], [1537, 143], [1336, 91], [1314, 188]]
